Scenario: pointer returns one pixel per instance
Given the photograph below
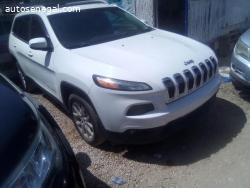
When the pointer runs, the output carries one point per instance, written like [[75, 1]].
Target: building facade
[[203, 20]]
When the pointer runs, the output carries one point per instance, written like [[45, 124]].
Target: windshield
[[94, 26]]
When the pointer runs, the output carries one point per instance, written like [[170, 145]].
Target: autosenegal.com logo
[[48, 10]]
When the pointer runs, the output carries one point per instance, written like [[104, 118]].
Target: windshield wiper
[[84, 44], [130, 32], [137, 32]]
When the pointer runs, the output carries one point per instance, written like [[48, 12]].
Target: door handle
[[14, 44], [29, 53]]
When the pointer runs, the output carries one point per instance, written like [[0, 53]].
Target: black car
[[5, 27], [33, 150]]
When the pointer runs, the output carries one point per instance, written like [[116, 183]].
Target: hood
[[154, 55]]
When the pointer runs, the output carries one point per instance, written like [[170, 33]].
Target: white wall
[[145, 10]]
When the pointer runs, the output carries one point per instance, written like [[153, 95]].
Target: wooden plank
[[209, 19]]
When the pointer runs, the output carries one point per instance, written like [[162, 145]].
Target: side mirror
[[38, 44]]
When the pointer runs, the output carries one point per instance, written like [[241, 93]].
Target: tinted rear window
[[21, 28]]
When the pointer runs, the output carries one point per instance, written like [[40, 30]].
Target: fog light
[[140, 109]]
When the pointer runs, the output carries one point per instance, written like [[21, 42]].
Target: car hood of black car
[[18, 127]]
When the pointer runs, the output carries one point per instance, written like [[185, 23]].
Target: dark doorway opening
[[171, 15]]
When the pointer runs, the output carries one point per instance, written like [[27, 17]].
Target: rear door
[[36, 64], [18, 41]]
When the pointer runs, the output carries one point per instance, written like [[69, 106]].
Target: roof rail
[[86, 2]]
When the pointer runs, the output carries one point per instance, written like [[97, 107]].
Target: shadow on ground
[[90, 180], [56, 104], [211, 133], [38, 91]]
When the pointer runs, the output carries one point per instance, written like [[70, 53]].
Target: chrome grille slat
[[198, 76], [181, 84], [210, 68], [204, 72], [214, 63], [190, 79], [171, 89]]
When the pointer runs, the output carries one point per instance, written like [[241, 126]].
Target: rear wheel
[[86, 120], [26, 85]]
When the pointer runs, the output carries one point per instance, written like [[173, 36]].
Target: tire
[[238, 86], [25, 83], [86, 121]]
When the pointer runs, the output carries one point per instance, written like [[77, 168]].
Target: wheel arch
[[67, 89]]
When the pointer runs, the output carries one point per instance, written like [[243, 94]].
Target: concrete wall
[[209, 19]]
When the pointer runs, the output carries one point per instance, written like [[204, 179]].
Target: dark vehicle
[[5, 27], [34, 152]]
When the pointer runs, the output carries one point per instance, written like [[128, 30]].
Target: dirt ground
[[213, 152]]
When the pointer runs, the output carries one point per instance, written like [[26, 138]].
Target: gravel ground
[[213, 152]]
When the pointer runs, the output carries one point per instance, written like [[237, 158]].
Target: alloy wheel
[[82, 120], [22, 78]]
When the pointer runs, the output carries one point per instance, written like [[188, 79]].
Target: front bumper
[[147, 136], [112, 106], [238, 79], [240, 70]]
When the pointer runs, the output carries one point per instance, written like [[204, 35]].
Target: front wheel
[[86, 120], [238, 86]]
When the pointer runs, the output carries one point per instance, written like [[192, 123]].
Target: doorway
[[171, 15]]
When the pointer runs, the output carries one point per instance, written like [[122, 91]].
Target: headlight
[[242, 49], [37, 168], [115, 84]]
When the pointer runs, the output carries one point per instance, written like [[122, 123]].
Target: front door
[[40, 62]]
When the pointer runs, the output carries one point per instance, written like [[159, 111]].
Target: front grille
[[236, 69], [189, 80]]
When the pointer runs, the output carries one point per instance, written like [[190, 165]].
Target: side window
[[21, 28], [36, 29]]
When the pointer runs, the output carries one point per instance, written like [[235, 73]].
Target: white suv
[[120, 79]]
